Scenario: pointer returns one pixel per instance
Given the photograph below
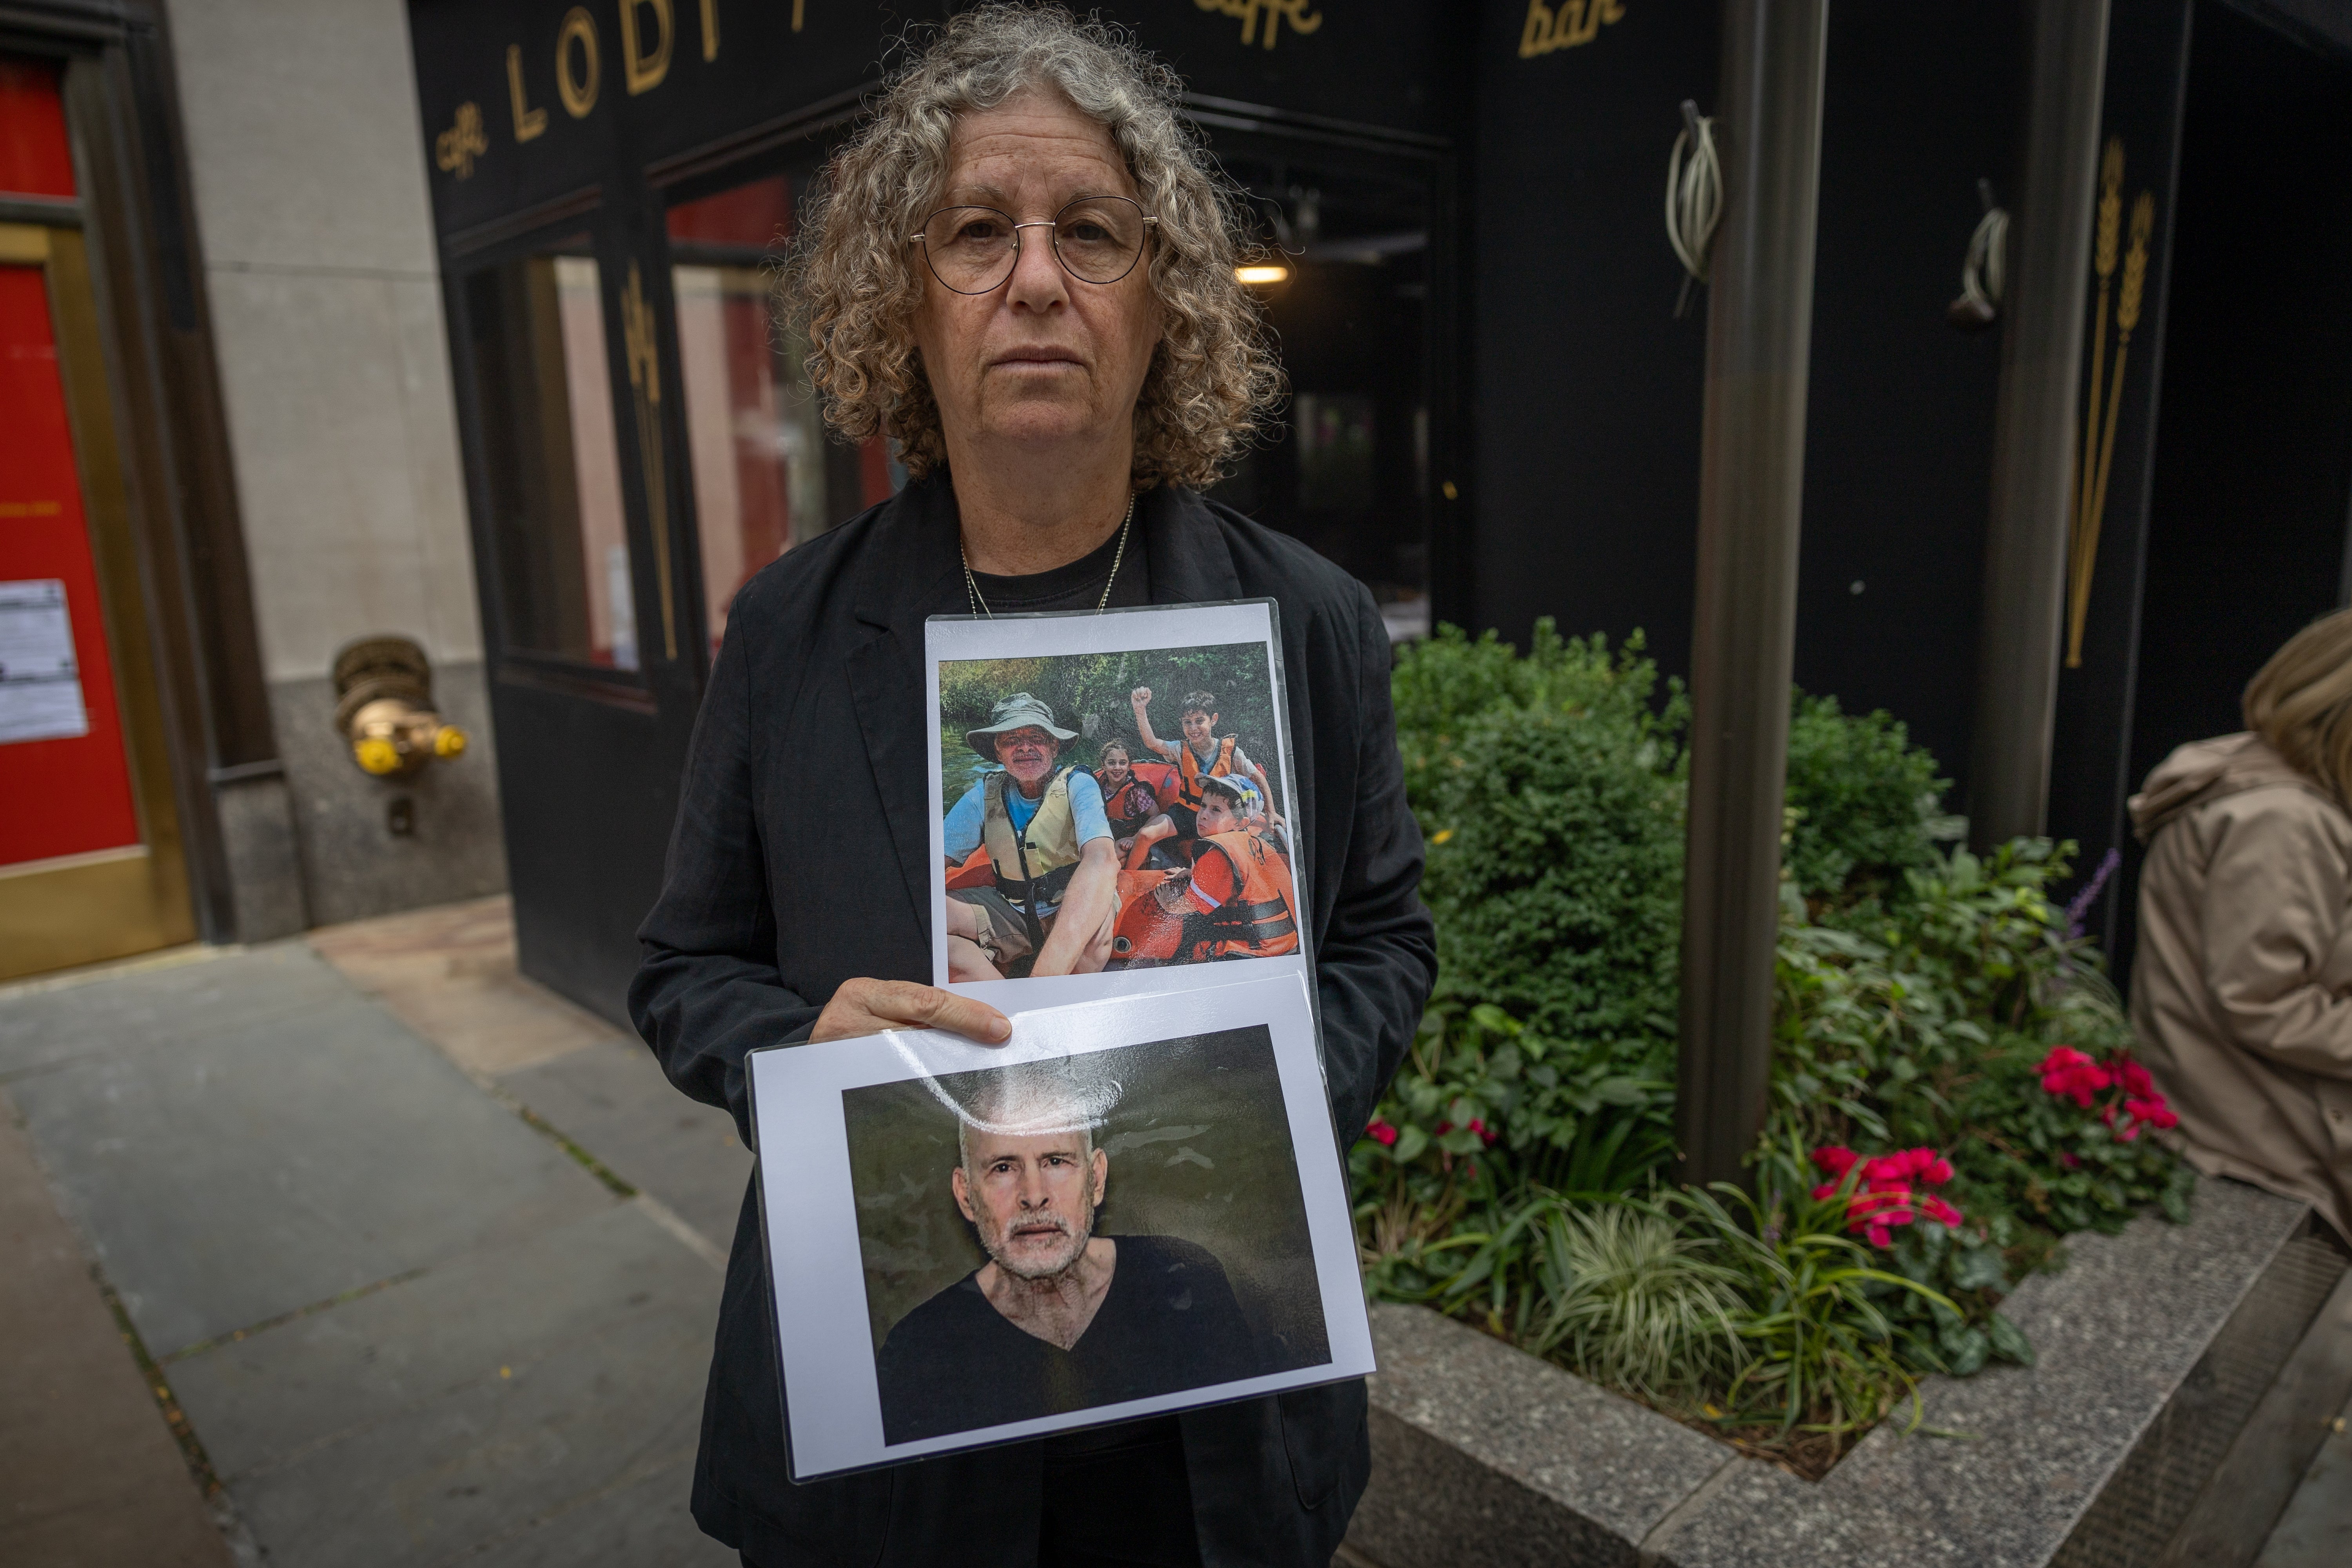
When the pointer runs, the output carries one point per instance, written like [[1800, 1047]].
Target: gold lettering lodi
[[1302, 18], [710, 28], [529, 122], [1566, 25], [579, 95], [455, 149], [645, 71]]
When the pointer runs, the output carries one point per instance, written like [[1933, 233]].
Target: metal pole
[[1751, 491], [2034, 429]]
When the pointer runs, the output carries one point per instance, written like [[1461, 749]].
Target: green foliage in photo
[[1089, 693]]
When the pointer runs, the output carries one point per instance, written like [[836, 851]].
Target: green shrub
[[1864, 805], [1551, 794]]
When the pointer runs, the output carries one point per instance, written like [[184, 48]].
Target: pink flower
[[1876, 1228], [2134, 1080], [2070, 1161], [2060, 1057], [1381, 1132], [1836, 1158], [2153, 1110], [1485, 1134], [2067, 1072], [1885, 1199]]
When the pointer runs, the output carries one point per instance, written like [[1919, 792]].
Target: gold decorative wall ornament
[[2106, 391], [1301, 15], [643, 70], [384, 707], [455, 149], [579, 94], [641, 341], [1566, 26], [529, 122]]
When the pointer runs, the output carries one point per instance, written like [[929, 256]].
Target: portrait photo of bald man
[[1056, 1239]]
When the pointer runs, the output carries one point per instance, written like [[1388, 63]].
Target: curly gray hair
[[850, 287]]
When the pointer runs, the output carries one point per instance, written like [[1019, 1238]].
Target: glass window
[[563, 572], [765, 476]]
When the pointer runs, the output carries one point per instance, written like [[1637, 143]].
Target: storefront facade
[[1495, 407]]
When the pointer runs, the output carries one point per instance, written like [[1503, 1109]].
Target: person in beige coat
[[2242, 992]]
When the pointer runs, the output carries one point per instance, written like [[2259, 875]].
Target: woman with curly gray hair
[[1020, 270]]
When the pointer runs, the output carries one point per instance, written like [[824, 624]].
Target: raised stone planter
[[2153, 1349]]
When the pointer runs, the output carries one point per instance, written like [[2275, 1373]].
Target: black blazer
[[801, 858]]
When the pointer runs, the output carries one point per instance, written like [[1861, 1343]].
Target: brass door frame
[[80, 908]]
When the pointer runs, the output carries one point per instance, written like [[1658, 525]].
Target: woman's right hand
[[864, 1007]]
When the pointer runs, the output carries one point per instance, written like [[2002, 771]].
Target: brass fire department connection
[[384, 706]]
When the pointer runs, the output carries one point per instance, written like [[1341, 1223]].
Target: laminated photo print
[[1134, 1207], [1113, 808]]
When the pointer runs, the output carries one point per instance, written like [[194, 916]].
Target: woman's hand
[[869, 1006]]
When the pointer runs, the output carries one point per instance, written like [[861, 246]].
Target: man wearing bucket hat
[[1048, 842]]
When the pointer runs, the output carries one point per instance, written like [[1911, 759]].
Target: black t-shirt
[[1168, 1322], [1077, 586]]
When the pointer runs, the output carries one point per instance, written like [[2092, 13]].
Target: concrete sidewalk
[[428, 1259]]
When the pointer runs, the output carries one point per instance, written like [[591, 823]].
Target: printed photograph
[[1050, 1237], [1111, 811]]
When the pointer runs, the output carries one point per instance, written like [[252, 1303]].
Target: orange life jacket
[[1129, 806], [1192, 794], [1259, 920]]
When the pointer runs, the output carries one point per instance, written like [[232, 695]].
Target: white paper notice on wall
[[40, 684]]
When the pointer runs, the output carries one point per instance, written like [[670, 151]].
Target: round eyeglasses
[[972, 250]]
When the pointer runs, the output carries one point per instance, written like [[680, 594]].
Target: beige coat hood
[[2193, 771]]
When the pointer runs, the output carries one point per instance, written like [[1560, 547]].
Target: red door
[[82, 865]]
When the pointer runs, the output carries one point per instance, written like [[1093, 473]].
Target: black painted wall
[[1587, 405], [1584, 402], [1922, 100], [2253, 460]]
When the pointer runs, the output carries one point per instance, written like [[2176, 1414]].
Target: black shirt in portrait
[[1168, 1322]]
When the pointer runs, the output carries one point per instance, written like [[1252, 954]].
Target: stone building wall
[[304, 141]]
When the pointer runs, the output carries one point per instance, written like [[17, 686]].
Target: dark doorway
[[1346, 269], [2253, 463]]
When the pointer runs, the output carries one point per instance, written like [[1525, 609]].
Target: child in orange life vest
[[1128, 801], [1238, 901], [1202, 755]]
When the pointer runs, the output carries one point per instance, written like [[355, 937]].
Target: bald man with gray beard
[[1058, 1318]]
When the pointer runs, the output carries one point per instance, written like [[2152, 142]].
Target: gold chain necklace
[[979, 605]]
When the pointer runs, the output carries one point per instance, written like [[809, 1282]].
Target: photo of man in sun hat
[[1048, 841]]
